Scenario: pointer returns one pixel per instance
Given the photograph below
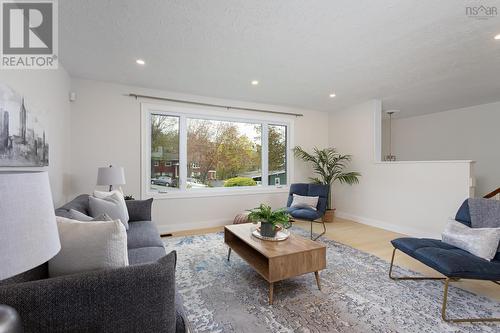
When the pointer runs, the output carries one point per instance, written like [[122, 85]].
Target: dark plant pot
[[267, 229]]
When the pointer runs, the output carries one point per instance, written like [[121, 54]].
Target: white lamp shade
[[28, 228], [110, 176]]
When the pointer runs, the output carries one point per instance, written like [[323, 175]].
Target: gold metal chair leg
[[321, 234], [408, 277], [459, 320], [445, 295], [392, 264]]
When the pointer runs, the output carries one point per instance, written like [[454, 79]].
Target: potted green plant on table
[[330, 167], [270, 220]]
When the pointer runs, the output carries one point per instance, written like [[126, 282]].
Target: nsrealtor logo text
[[29, 34], [481, 12]]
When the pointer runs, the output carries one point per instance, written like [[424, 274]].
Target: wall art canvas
[[23, 137]]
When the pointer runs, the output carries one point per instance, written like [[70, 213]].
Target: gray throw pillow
[[111, 205], [119, 195], [484, 213], [139, 210], [79, 216]]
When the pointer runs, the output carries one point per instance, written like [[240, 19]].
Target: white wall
[[48, 90], [106, 128], [470, 133], [414, 198]]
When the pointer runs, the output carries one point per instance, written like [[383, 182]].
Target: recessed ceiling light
[[332, 95], [255, 82], [140, 62], [497, 37]]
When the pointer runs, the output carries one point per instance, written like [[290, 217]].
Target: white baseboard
[[170, 228], [401, 229]]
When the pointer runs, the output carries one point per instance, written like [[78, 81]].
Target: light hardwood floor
[[377, 242]]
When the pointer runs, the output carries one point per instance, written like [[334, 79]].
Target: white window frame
[[148, 109]]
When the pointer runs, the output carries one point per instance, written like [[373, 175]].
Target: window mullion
[[289, 154], [265, 153], [147, 161], [182, 153]]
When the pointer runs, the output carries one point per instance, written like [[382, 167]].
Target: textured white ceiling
[[418, 56]]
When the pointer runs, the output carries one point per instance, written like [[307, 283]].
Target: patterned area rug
[[356, 296]]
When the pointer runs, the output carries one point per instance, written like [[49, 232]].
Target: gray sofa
[[137, 298]]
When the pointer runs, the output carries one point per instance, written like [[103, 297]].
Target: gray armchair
[[137, 298]]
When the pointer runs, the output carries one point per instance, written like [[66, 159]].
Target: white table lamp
[[28, 228], [110, 176]]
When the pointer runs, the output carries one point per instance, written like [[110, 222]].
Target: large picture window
[[189, 152]]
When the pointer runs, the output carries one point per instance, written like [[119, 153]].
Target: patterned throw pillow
[[79, 216], [481, 242]]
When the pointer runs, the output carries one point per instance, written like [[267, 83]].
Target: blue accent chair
[[308, 214], [450, 261]]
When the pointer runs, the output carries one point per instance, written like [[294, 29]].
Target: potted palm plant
[[330, 167], [269, 220]]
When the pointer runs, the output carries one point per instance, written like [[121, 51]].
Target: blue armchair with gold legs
[[452, 262], [309, 214]]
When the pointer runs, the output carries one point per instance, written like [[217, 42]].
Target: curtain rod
[[213, 105]]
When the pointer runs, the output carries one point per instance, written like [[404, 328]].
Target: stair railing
[[493, 195]]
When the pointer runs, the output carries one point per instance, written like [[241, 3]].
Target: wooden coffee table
[[276, 261]]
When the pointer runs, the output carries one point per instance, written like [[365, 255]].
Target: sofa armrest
[[139, 298]]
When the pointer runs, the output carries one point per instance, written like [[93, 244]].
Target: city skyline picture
[[23, 137]]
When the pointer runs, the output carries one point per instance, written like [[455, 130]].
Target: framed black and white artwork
[[23, 137]]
